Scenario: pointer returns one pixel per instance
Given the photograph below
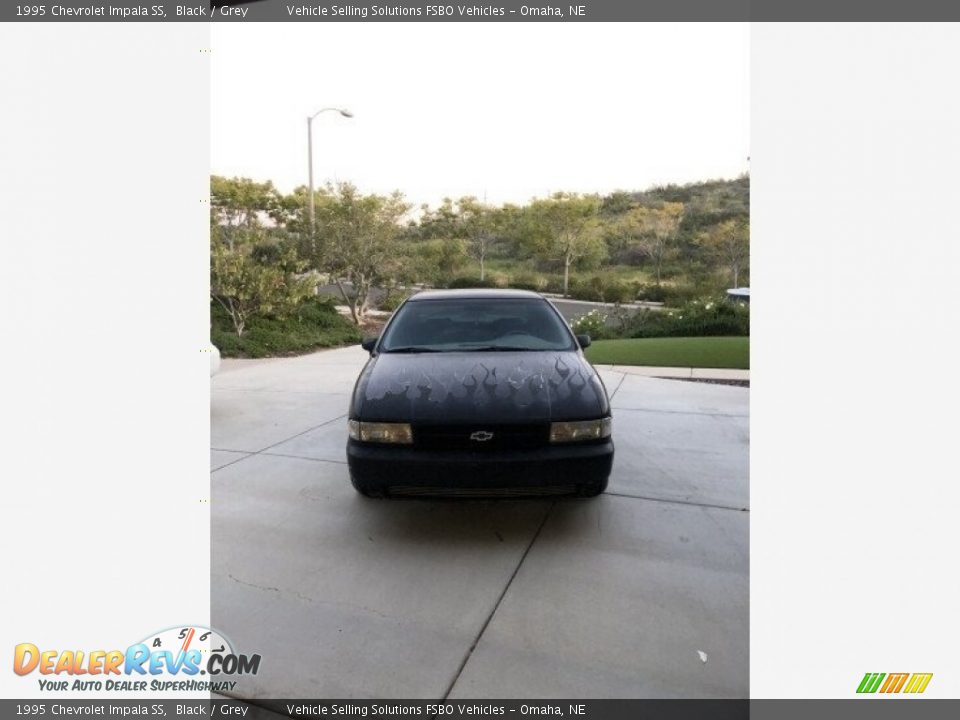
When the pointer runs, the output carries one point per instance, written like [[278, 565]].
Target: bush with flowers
[[704, 317], [593, 323]]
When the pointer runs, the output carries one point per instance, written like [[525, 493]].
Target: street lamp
[[344, 113]]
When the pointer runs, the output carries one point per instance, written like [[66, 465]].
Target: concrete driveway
[[642, 592]]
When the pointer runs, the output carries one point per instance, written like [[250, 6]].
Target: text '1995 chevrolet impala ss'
[[475, 393]]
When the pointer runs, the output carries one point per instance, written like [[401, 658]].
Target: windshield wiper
[[413, 349]]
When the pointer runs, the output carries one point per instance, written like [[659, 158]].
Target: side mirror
[[583, 341], [369, 344]]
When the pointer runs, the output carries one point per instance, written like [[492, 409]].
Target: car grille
[[481, 438]]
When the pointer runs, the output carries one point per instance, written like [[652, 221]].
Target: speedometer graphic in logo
[[188, 640]]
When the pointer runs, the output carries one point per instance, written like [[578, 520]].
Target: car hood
[[507, 387]]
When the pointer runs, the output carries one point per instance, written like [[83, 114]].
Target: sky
[[501, 111]]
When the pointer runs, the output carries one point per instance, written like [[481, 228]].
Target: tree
[[434, 262], [465, 219], [479, 223], [655, 228], [565, 227], [729, 243], [617, 203], [440, 223], [246, 288], [290, 211], [358, 241], [237, 204]]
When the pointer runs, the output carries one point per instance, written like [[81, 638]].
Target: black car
[[478, 392]]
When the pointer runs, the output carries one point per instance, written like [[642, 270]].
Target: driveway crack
[[269, 588], [496, 605], [623, 377], [305, 598], [734, 508], [304, 432]]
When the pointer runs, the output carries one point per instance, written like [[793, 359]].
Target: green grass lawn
[[702, 352]]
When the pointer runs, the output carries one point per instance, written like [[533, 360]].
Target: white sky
[[510, 110]]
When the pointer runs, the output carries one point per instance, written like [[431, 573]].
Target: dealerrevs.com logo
[[177, 659], [887, 684]]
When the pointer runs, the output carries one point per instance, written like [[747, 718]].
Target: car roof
[[474, 293]]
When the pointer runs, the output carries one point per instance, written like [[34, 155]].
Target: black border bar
[[478, 11], [873, 708]]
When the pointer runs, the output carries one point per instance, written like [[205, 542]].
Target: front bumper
[[404, 470]]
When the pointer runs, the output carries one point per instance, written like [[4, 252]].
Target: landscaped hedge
[[697, 318], [392, 301], [470, 281], [602, 289], [529, 281], [710, 317], [675, 295], [316, 324]]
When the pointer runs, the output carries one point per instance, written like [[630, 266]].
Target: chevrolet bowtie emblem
[[481, 436]]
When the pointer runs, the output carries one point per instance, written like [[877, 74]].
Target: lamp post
[[344, 113]]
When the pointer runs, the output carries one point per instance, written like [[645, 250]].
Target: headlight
[[564, 432], [398, 433]]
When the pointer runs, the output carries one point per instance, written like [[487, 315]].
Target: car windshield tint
[[478, 324]]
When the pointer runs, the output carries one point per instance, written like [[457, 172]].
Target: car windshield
[[476, 324]]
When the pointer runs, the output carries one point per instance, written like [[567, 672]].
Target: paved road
[[344, 597], [570, 309]]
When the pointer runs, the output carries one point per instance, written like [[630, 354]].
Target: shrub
[[470, 281], [554, 284], [675, 295], [246, 289], [652, 292], [593, 323], [619, 291], [314, 324], [391, 302], [602, 289], [697, 318], [529, 281], [498, 279]]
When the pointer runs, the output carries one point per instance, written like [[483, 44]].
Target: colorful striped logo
[[894, 682]]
